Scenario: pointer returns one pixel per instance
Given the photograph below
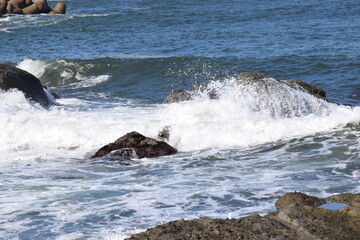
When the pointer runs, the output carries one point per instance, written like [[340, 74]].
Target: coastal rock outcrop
[[15, 78], [259, 81], [135, 145], [299, 217]]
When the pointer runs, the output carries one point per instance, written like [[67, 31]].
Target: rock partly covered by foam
[[15, 78], [299, 217], [135, 145], [259, 81]]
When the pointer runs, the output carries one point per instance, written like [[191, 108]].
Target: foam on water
[[71, 74], [238, 118], [19, 21], [220, 170], [243, 116], [35, 67]]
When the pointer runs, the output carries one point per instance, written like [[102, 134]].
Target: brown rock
[[298, 199], [299, 217], [253, 227], [143, 146]]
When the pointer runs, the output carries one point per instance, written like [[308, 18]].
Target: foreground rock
[[299, 217], [260, 83], [15, 78], [135, 145]]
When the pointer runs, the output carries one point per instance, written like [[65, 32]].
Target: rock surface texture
[[15, 78], [299, 217], [135, 145]]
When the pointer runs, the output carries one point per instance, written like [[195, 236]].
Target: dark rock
[[178, 95], [251, 76], [142, 146], [15, 78], [309, 88], [299, 217], [261, 83]]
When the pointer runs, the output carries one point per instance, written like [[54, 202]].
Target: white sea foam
[[243, 117], [89, 81], [35, 67], [230, 121]]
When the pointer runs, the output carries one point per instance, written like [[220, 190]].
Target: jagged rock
[[15, 78], [299, 217], [142, 146]]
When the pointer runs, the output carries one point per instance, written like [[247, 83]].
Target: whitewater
[[114, 62], [236, 154]]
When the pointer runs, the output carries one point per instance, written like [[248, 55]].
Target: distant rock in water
[[299, 217], [259, 81], [135, 145], [178, 95], [15, 78]]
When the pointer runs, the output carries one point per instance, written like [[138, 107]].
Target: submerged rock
[[135, 145], [299, 217], [15, 78]]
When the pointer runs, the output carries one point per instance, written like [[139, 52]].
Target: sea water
[[114, 62]]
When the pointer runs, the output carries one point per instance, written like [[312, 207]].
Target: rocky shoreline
[[298, 217]]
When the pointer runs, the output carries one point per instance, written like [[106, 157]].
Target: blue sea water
[[114, 62]]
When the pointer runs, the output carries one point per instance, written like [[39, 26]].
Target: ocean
[[114, 62]]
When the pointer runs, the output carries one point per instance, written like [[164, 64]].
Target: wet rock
[[260, 83], [252, 227], [299, 217], [142, 146], [178, 95], [15, 78], [303, 214], [251, 76], [308, 88], [352, 201], [298, 199]]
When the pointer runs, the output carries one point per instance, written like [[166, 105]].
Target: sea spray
[[69, 74], [250, 114], [240, 117]]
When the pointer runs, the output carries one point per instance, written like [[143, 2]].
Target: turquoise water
[[114, 62]]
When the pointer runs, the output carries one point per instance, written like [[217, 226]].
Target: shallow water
[[114, 63]]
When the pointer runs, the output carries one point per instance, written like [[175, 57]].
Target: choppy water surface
[[114, 63]]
